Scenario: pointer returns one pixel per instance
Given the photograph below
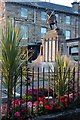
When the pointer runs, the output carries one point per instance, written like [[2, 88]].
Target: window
[[43, 32], [24, 30], [68, 34], [57, 17], [74, 50], [35, 15], [68, 20], [24, 12], [43, 15]]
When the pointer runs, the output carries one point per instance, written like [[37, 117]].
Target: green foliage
[[63, 75], [10, 53], [12, 58], [29, 97]]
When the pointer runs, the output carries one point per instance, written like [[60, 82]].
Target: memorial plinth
[[50, 47]]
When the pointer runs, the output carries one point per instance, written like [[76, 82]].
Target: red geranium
[[47, 107], [3, 107]]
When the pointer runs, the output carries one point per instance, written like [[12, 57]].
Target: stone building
[[33, 20]]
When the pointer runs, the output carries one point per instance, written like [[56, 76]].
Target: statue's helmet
[[48, 11]]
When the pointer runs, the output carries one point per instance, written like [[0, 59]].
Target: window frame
[[73, 50], [43, 13], [25, 29], [68, 20], [66, 34], [43, 33], [22, 12]]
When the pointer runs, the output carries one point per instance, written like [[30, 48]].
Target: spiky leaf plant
[[63, 75]]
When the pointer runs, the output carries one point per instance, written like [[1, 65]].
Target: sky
[[62, 2]]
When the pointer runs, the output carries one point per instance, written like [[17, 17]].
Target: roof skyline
[[62, 2], [48, 5]]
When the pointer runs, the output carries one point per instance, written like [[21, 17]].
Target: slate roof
[[52, 6]]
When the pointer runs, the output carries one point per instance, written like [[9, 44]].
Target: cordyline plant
[[63, 75], [11, 56]]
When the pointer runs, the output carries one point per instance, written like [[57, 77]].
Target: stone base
[[67, 115]]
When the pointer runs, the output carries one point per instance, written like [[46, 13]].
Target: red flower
[[17, 114], [61, 99], [3, 107], [59, 107], [35, 103], [40, 99], [22, 101], [54, 104], [65, 100], [44, 101], [47, 107], [50, 108], [16, 102]]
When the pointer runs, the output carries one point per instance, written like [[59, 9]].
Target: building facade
[[32, 19]]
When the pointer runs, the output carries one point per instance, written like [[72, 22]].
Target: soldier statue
[[51, 18]]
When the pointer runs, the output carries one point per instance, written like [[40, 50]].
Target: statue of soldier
[[51, 18]]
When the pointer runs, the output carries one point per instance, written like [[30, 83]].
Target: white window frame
[[43, 13], [68, 34], [43, 32], [68, 20], [74, 50], [24, 31], [24, 12]]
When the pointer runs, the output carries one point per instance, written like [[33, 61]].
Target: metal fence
[[46, 85]]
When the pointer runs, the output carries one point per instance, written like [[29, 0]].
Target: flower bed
[[40, 105]]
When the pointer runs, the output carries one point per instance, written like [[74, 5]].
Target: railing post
[[32, 89], [21, 91], [68, 83], [73, 83], [15, 87], [8, 95], [54, 84], [48, 82], [43, 87], [26, 85], [38, 91], [64, 81]]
